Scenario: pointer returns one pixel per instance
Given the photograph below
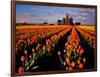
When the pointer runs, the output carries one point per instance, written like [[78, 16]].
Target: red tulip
[[73, 44], [70, 68], [78, 61], [22, 58], [79, 46], [81, 66], [81, 51], [68, 54], [25, 52], [16, 48], [29, 42], [20, 70], [73, 64], [65, 51], [47, 42], [78, 50], [69, 46]]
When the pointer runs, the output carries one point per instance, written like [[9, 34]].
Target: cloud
[[59, 11], [84, 14], [26, 15], [88, 11], [40, 10], [81, 18], [49, 14], [35, 9], [31, 15]]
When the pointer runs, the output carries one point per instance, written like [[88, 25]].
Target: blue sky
[[41, 13]]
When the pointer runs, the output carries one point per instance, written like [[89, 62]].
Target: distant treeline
[[33, 24]]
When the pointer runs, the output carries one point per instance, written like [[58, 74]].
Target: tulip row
[[72, 56], [89, 37], [88, 29]]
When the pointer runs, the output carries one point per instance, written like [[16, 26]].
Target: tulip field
[[52, 48]]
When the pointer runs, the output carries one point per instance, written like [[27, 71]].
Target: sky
[[41, 13]]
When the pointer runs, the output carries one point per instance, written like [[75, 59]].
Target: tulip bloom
[[68, 54], [22, 58], [30, 56], [25, 52], [65, 51], [20, 70], [73, 64], [43, 47], [67, 60], [84, 60], [78, 61], [81, 66], [81, 51], [59, 53], [16, 48], [64, 63], [70, 68]]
